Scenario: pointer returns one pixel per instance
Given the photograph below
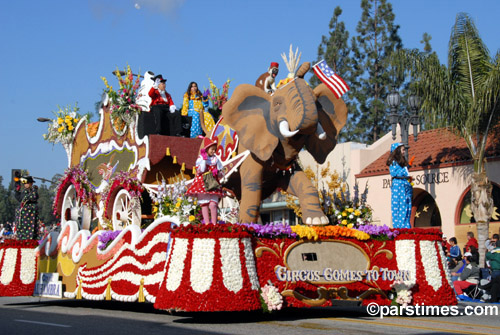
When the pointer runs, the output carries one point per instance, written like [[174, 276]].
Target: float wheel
[[126, 211], [73, 210]]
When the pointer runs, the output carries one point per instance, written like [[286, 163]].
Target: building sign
[[48, 285], [423, 179]]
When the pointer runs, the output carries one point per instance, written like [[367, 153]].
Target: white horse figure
[[143, 98]]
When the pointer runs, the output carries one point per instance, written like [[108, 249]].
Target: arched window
[[465, 213]]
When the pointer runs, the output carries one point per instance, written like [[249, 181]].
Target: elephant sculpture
[[274, 128]]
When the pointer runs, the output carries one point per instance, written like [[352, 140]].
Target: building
[[441, 173]]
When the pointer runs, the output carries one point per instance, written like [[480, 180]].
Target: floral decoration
[[18, 268], [62, 128], [77, 177], [218, 97], [271, 299], [272, 229], [321, 232], [106, 237], [402, 291], [172, 200], [335, 199], [123, 103], [378, 232]]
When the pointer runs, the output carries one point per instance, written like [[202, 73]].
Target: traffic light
[[16, 179]]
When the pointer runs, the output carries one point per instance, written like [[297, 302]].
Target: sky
[[53, 53]]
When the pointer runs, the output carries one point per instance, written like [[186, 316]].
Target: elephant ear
[[332, 114], [248, 113]]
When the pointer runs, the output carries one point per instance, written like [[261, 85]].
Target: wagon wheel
[[126, 211], [73, 210]]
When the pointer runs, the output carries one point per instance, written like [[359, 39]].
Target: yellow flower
[[177, 205], [70, 128], [350, 210], [350, 225], [59, 120], [60, 129], [191, 218], [344, 222], [76, 120], [357, 212], [344, 213]]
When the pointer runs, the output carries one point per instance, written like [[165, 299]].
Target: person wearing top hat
[[27, 215], [401, 189], [163, 108], [207, 162]]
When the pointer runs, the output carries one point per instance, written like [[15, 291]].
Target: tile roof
[[435, 148]]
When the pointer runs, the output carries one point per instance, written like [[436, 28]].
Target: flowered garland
[[322, 232], [78, 177], [126, 180], [62, 128], [377, 232], [272, 230], [10, 243], [212, 230], [107, 237], [123, 104]]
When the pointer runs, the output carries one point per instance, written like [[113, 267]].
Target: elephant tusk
[[320, 132], [285, 129]]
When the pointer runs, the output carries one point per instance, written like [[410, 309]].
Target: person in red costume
[[163, 108], [207, 162]]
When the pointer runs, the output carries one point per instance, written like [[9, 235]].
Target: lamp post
[[404, 119]]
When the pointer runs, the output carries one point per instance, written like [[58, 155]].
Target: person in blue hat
[[401, 189]]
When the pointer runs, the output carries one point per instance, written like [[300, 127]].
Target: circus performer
[[401, 189], [266, 81], [207, 162], [27, 220], [193, 105]]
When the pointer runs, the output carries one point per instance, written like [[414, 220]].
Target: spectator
[[468, 277], [493, 258], [458, 267], [493, 288], [454, 249], [471, 241], [163, 108], [475, 254], [491, 242]]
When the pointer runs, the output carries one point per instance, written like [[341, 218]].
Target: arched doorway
[[425, 212]]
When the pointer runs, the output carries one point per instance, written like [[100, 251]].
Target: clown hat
[[274, 64], [394, 146], [208, 142]]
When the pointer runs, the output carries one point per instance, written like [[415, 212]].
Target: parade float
[[128, 232]]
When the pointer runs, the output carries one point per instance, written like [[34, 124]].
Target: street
[[30, 315]]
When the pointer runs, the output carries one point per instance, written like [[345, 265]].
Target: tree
[[376, 40], [463, 97], [335, 50]]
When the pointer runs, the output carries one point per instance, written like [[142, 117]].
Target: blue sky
[[54, 52]]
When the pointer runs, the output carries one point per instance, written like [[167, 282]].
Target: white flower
[[202, 263], [28, 265], [431, 265], [405, 258], [9, 266], [231, 264], [176, 268]]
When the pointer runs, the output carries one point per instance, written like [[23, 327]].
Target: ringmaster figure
[[27, 221], [163, 108], [401, 189]]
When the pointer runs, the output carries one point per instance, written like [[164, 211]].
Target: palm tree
[[463, 97]]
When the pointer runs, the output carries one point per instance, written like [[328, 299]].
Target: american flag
[[336, 84]]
